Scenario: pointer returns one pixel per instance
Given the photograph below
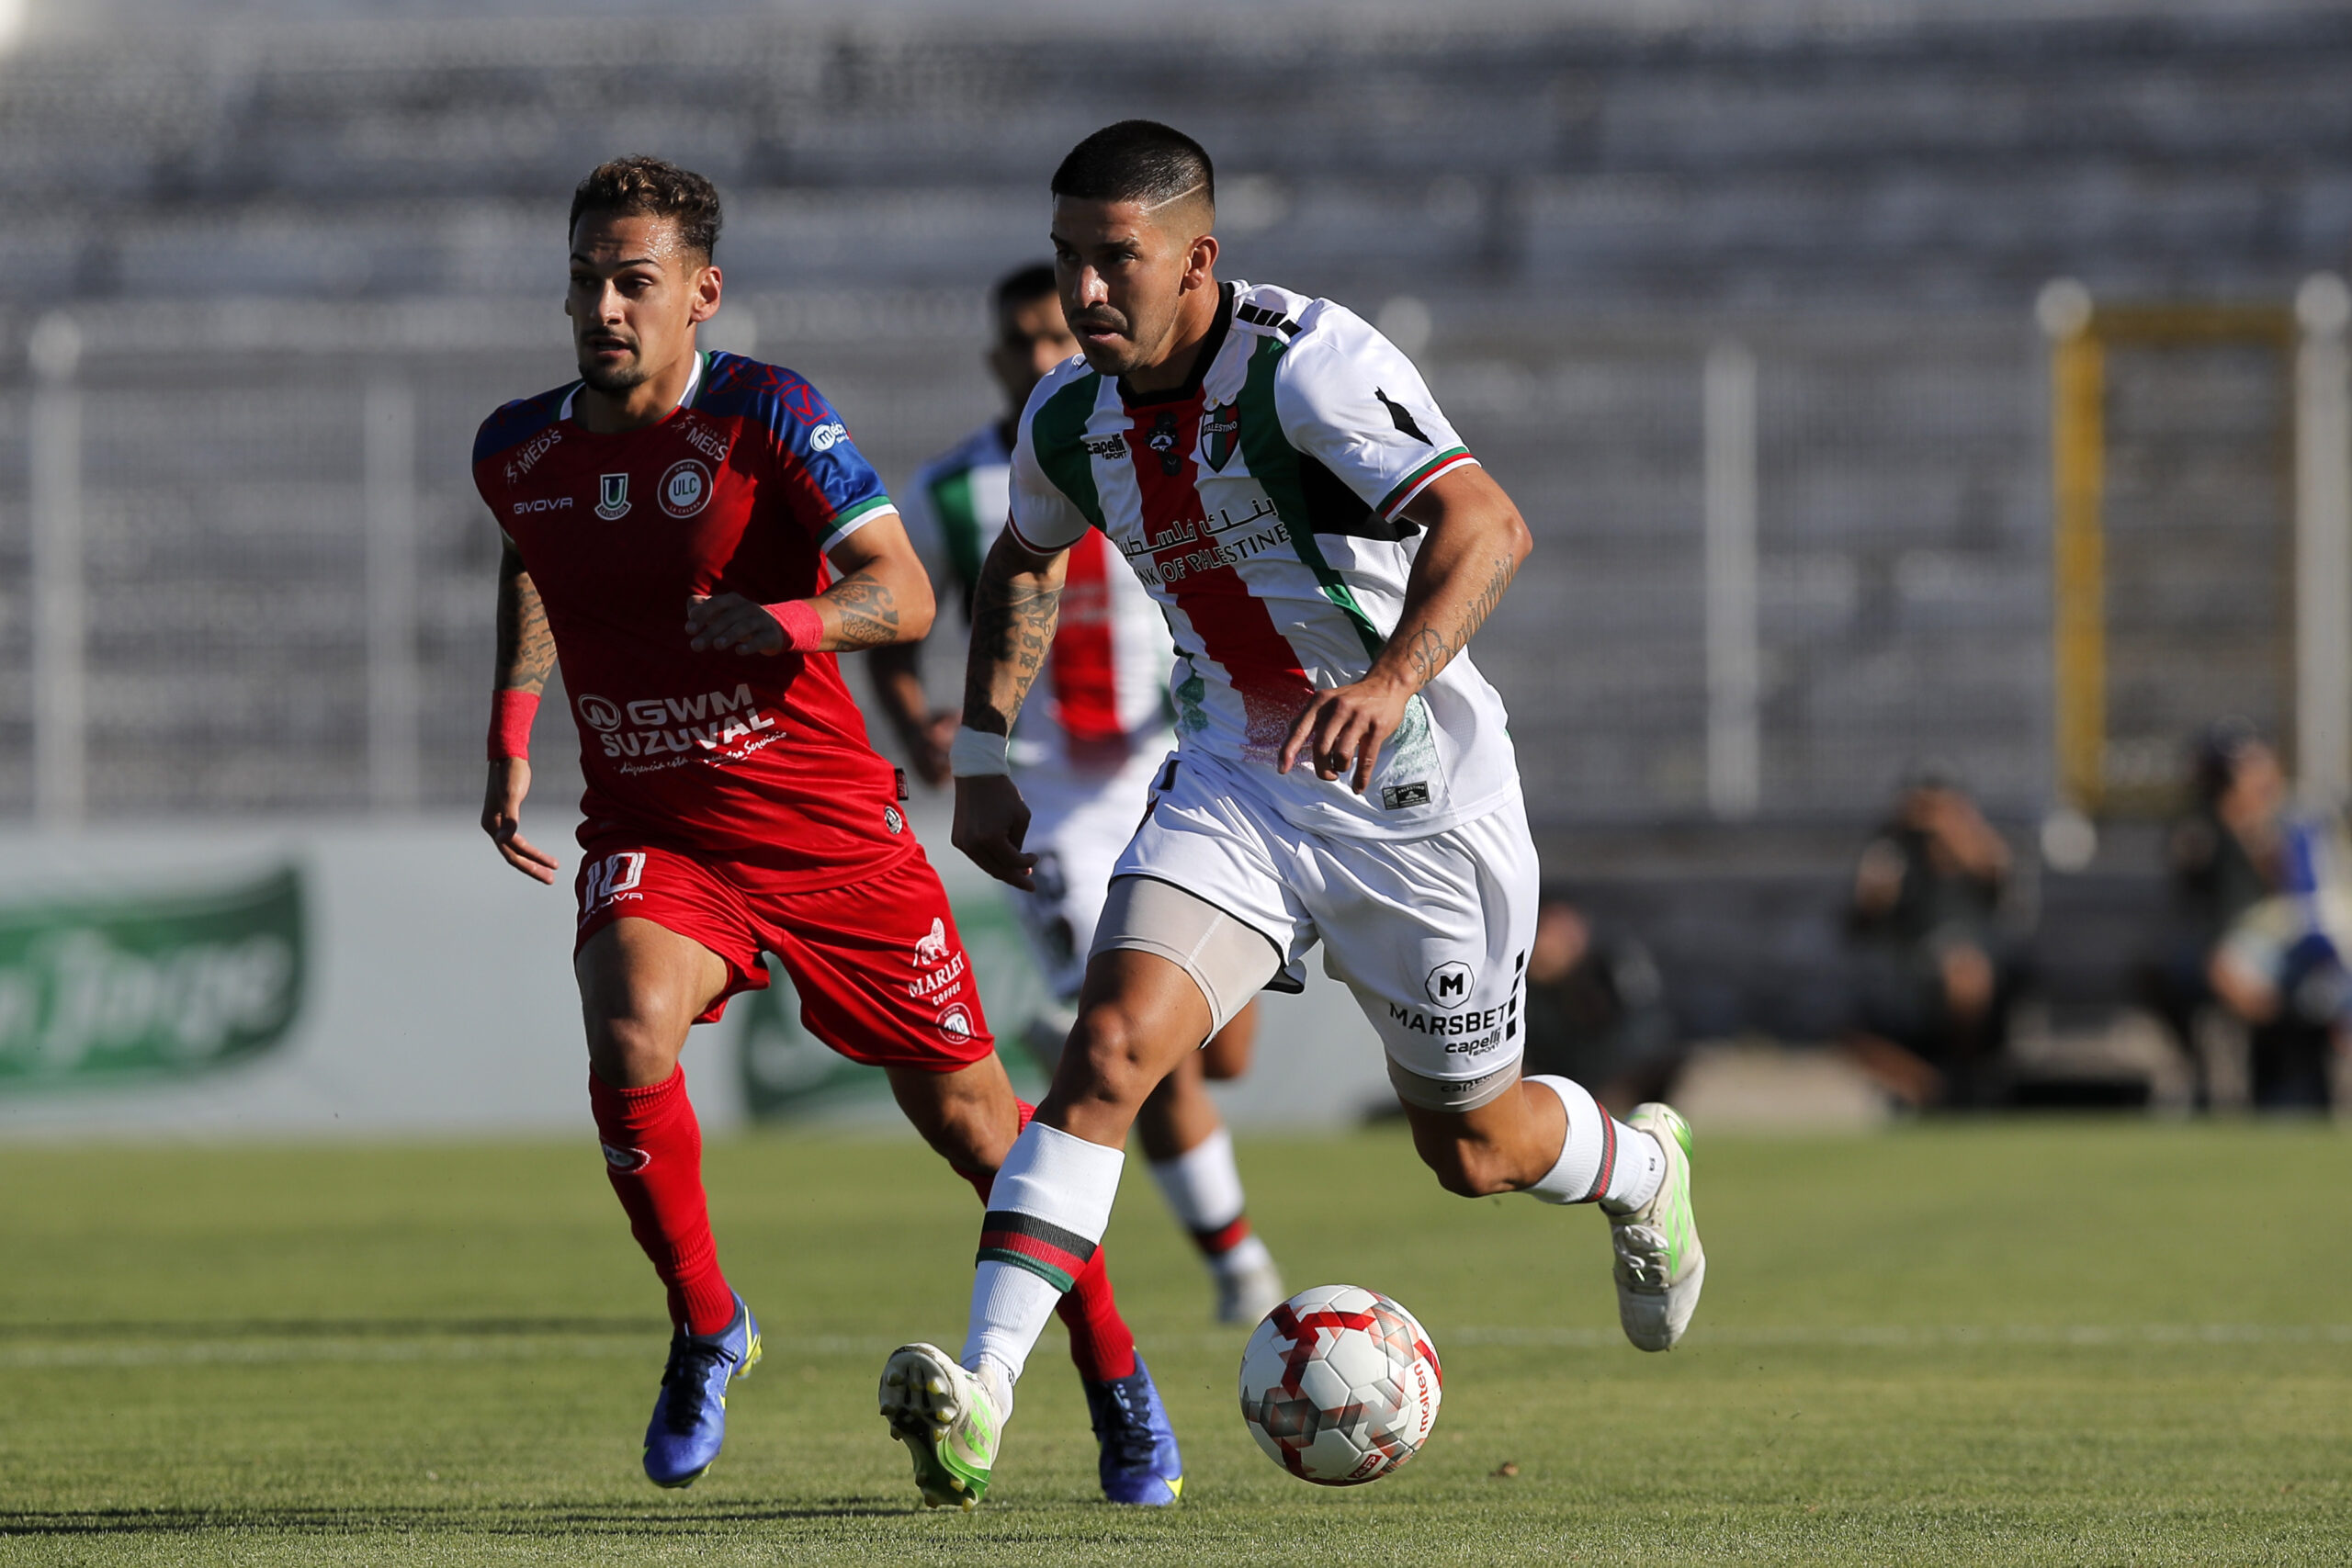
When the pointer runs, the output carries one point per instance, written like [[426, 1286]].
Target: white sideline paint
[[646, 1344]]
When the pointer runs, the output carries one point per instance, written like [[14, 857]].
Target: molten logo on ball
[[1340, 1385]]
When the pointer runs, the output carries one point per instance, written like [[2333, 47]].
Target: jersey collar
[[1210, 347], [694, 385]]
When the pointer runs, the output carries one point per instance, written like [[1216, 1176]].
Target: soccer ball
[[1340, 1385]]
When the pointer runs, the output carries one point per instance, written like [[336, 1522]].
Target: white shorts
[[1431, 933], [1077, 824]]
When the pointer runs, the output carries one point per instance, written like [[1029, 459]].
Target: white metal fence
[[1778, 559]]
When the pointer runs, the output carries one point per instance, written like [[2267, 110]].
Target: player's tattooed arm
[[526, 657], [1475, 542], [1015, 606], [882, 597], [1428, 650], [866, 609], [526, 646]]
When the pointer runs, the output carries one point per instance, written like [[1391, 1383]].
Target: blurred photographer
[[2268, 895], [1596, 1010], [1934, 973]]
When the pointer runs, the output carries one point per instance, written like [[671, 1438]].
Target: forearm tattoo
[[525, 644], [1012, 630], [868, 610], [1427, 652]]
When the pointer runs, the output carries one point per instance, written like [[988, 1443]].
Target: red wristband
[[510, 712], [802, 630]]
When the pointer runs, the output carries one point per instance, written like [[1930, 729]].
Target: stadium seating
[[1583, 209]]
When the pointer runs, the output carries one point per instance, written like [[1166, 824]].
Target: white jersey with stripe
[[1262, 507], [1104, 688]]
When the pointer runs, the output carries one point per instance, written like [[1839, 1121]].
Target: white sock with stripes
[[1601, 1159], [1047, 1210]]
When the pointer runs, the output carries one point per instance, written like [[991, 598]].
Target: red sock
[[1100, 1341], [653, 1154]]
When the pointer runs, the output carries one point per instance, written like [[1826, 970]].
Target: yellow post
[[2078, 399]]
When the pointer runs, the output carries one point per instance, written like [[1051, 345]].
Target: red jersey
[[741, 489]]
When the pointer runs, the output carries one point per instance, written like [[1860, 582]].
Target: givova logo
[[149, 987]]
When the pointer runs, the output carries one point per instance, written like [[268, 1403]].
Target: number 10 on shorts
[[606, 879]]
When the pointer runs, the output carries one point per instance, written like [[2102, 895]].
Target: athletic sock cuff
[[1050, 1204], [605, 1098], [1203, 1185], [1588, 1154]]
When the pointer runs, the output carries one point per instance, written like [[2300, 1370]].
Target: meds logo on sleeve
[[825, 437]]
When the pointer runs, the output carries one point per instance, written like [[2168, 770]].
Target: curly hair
[[652, 187]]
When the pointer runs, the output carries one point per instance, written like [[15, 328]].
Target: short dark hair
[[1136, 160], [1034, 281], [652, 187]]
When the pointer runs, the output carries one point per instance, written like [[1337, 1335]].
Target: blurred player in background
[[1085, 761], [670, 519], [1278, 476]]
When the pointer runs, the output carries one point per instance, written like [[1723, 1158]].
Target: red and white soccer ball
[[1340, 1385]]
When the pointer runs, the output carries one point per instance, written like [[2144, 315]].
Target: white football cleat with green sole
[[948, 1420], [1660, 1264]]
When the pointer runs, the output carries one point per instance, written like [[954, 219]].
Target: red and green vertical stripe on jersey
[[1054, 1255], [959, 528], [1232, 626], [1084, 671], [1273, 463]]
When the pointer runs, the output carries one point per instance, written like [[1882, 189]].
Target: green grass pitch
[[2030, 1342]]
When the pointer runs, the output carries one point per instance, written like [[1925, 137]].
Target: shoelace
[[687, 1377], [1131, 1437]]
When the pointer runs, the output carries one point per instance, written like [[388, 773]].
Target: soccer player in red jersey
[[695, 536]]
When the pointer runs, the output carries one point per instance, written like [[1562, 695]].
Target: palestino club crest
[[1220, 427], [685, 487]]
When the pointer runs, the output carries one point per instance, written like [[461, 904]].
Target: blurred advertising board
[[394, 980]]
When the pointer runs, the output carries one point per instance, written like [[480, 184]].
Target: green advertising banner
[[137, 988]]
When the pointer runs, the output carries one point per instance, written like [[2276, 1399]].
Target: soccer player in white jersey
[[1324, 548], [1086, 759]]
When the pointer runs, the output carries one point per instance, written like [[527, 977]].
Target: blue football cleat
[[690, 1413], [1139, 1462]]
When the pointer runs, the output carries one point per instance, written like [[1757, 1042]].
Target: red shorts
[[882, 974]]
